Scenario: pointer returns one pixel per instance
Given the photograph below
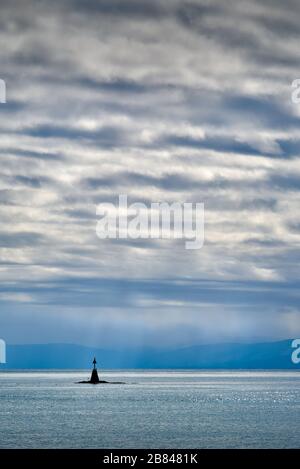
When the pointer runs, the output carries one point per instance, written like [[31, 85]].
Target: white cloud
[[192, 103]]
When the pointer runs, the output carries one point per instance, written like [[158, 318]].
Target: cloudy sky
[[170, 101]]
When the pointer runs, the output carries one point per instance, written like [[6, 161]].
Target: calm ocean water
[[154, 409]]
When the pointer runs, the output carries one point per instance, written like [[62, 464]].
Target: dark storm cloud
[[290, 148], [178, 182], [17, 152], [116, 85], [220, 144], [121, 292], [34, 182], [284, 27], [287, 182], [168, 182], [106, 135], [12, 106], [16, 240], [117, 8]]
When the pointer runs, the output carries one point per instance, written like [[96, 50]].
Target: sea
[[153, 409]]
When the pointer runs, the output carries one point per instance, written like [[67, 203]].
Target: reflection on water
[[154, 409]]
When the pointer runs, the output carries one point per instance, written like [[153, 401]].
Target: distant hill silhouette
[[270, 355]]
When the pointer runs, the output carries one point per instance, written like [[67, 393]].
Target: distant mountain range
[[270, 355]]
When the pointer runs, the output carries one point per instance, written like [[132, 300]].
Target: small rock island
[[95, 377]]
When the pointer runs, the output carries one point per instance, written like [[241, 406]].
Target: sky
[[174, 101]]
